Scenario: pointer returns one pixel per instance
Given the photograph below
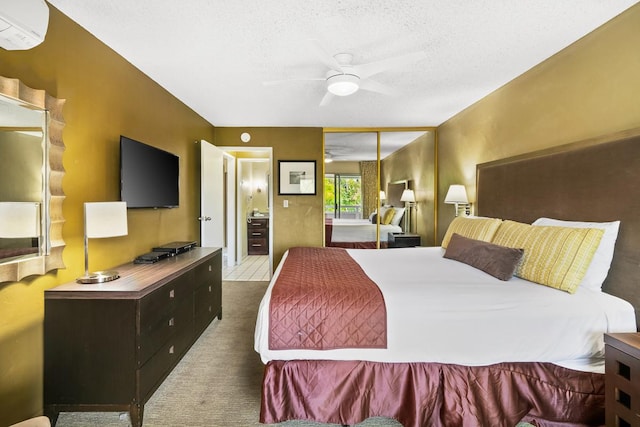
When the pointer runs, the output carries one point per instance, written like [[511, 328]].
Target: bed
[[492, 352], [359, 233]]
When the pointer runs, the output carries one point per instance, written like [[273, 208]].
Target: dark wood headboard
[[595, 180]]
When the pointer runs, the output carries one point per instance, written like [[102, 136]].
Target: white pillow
[[397, 216], [599, 267]]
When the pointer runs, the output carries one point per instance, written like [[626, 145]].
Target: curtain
[[369, 173]]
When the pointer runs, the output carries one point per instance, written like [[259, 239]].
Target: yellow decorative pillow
[[472, 228], [388, 216], [553, 256]]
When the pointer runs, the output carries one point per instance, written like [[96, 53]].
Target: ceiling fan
[[344, 78]]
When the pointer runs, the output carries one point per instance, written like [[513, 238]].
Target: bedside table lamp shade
[[409, 199], [102, 219], [408, 196], [19, 220], [457, 195]]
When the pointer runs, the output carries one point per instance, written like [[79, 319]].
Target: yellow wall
[[301, 224], [106, 97], [587, 90], [343, 167]]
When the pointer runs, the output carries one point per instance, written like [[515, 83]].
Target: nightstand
[[622, 379], [403, 240]]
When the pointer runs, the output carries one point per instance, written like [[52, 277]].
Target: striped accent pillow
[[472, 228], [557, 257]]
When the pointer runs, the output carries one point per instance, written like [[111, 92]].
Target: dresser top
[[626, 342], [136, 280]]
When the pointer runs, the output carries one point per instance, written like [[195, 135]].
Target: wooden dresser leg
[[52, 415], [136, 413]]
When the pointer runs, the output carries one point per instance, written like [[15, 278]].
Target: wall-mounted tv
[[149, 177]]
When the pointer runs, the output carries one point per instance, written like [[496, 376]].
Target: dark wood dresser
[[107, 347], [622, 379], [257, 236]]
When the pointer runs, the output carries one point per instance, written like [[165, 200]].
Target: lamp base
[[98, 277]]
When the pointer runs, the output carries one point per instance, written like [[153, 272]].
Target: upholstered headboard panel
[[596, 180]]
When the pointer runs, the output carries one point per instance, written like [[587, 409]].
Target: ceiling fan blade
[[326, 99], [324, 56], [294, 79], [376, 67], [373, 86]]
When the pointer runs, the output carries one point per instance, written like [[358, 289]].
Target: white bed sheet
[[360, 230], [441, 310]]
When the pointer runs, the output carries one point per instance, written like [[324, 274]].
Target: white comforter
[[440, 310], [360, 230]]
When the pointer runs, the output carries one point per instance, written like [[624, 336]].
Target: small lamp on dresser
[[102, 219]]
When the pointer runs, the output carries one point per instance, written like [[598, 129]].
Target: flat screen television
[[149, 177]]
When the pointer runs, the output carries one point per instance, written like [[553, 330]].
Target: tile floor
[[252, 268]]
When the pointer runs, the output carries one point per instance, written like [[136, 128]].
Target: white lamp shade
[[105, 219], [408, 196], [456, 194], [19, 220], [383, 195]]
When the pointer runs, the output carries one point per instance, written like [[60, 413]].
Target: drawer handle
[[256, 245], [210, 267], [172, 293], [171, 350], [256, 234], [209, 309], [210, 288], [172, 322]]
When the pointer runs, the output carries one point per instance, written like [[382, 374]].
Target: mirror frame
[[51, 259]]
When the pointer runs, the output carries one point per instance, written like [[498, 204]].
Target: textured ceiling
[[215, 55]]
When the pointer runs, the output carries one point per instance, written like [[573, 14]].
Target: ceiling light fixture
[[343, 84], [328, 158]]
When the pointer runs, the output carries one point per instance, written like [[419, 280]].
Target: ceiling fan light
[[343, 84]]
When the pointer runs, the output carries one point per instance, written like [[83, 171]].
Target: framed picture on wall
[[297, 177]]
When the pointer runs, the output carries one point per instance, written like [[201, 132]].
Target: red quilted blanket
[[322, 300]]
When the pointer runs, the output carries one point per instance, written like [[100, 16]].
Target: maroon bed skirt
[[431, 394]]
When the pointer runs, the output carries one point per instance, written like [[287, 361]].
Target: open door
[[212, 196]]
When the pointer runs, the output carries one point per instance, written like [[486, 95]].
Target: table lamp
[[102, 219]]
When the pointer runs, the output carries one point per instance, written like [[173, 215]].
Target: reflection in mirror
[[351, 189], [369, 150], [21, 180], [31, 174]]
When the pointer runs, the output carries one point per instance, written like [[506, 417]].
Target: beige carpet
[[217, 383]]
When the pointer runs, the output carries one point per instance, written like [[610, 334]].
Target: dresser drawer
[[204, 306], [258, 233], [152, 373], [205, 274], [155, 335], [257, 247], [258, 223], [161, 302]]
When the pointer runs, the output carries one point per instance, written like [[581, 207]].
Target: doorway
[[252, 216]]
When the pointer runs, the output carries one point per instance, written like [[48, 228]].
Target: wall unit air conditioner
[[23, 23]]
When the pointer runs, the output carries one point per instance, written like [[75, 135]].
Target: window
[[343, 196]]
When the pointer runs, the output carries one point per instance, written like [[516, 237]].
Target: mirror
[[376, 157], [31, 172]]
